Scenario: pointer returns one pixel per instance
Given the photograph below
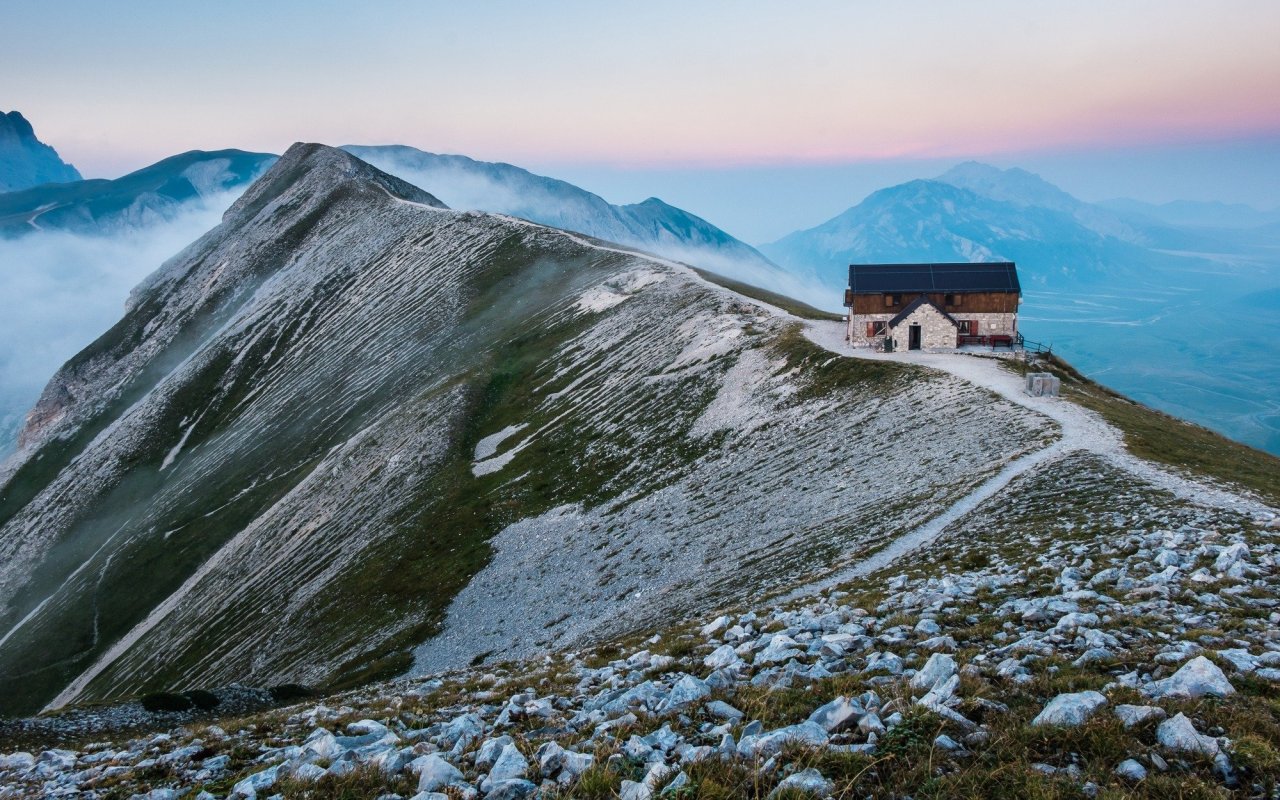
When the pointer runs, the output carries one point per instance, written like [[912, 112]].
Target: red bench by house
[[994, 340]]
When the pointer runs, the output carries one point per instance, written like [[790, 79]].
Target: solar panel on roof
[[988, 276]]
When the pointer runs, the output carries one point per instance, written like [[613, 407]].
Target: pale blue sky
[[811, 102]]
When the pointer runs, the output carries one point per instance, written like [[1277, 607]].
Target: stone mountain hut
[[933, 306]]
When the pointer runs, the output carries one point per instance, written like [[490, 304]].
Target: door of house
[[913, 337]]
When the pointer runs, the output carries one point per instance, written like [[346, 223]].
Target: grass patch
[[362, 783], [1163, 438], [824, 373], [787, 304]]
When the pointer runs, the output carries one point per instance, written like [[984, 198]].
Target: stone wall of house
[[857, 335], [993, 324], [988, 325], [936, 331]]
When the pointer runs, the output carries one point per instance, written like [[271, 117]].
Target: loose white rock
[[1070, 710], [434, 772], [809, 781], [1196, 678], [511, 764], [686, 691], [836, 715], [722, 656], [1136, 715], [1179, 735], [1131, 770], [938, 669]]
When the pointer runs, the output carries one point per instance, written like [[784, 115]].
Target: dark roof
[[991, 276], [913, 305]]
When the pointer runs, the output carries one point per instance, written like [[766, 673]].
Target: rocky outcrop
[[25, 161]]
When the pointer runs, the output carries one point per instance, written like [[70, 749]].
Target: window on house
[[888, 301], [877, 328], [949, 299], [955, 299], [968, 327]]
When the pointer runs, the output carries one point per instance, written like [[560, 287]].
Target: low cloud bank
[[59, 291]]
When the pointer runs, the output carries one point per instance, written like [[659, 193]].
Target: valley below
[[1197, 348]]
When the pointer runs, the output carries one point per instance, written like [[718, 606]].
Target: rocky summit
[[370, 497]]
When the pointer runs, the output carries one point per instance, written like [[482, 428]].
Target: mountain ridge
[[932, 220], [279, 449], [651, 225], [1200, 213]]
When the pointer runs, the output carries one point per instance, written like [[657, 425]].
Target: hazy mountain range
[[976, 212], [651, 225], [146, 197], [25, 161], [1195, 214]]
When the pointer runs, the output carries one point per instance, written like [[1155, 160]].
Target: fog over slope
[[153, 194], [60, 290], [651, 225]]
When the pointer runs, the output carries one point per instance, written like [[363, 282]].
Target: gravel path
[[1082, 430]]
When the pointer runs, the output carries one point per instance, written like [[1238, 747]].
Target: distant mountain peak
[[1014, 185], [25, 161], [17, 125]]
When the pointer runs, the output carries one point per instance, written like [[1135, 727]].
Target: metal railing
[[1032, 347]]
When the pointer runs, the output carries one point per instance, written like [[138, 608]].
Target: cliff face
[[296, 448], [25, 161]]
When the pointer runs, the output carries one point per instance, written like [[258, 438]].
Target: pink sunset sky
[[669, 83], [599, 88]]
